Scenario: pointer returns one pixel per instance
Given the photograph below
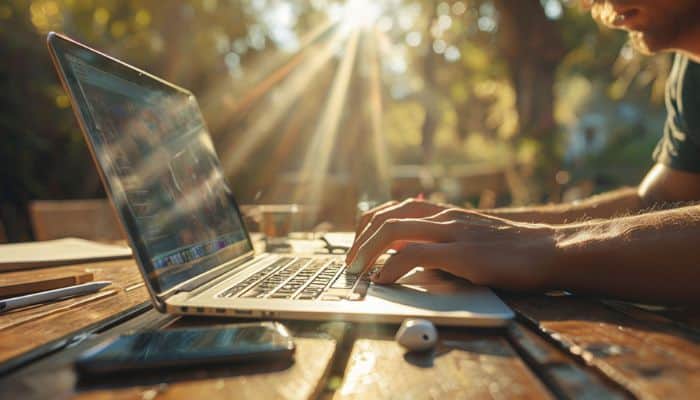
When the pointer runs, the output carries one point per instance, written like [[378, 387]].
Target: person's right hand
[[409, 208]]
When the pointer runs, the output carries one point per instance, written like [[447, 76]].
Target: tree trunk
[[532, 46]]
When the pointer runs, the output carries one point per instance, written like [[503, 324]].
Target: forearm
[[606, 205], [649, 258]]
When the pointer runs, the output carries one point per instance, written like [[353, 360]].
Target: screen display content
[[161, 169]]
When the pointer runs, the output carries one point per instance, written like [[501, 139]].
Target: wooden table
[[558, 347]]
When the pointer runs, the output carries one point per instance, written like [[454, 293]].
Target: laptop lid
[[158, 166]]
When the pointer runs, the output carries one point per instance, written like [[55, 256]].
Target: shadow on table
[[174, 375], [426, 359], [437, 291]]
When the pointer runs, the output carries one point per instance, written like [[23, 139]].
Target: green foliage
[[450, 89]]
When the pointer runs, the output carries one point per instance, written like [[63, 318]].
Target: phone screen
[[179, 347]]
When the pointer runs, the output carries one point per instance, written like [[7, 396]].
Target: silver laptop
[[159, 168]]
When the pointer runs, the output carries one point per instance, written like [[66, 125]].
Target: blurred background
[[341, 105]]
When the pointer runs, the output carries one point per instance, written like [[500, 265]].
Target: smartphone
[[183, 347]]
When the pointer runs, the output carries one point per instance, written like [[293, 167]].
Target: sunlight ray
[[298, 124], [242, 144], [319, 153], [267, 78], [378, 142], [267, 71]]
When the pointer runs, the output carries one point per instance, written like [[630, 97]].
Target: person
[[634, 243]]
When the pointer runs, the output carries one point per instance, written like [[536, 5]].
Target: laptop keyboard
[[301, 279]]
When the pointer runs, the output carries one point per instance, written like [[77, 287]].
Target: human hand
[[374, 218], [484, 249]]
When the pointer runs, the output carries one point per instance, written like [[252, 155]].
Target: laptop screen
[[159, 166]]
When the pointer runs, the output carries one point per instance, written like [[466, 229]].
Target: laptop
[[159, 168]]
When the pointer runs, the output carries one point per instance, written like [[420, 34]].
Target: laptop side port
[[243, 312], [184, 309], [200, 309], [221, 311]]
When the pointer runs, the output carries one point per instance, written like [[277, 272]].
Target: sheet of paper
[[57, 252]]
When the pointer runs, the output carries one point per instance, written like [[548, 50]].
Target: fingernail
[[375, 276], [354, 266]]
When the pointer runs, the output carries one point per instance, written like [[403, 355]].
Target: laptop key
[[344, 282], [236, 289]]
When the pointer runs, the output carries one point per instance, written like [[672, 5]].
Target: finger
[[451, 214], [367, 215], [426, 255], [395, 230], [407, 209]]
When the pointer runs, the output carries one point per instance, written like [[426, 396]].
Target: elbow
[[665, 187]]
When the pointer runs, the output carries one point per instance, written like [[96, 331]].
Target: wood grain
[[567, 377], [25, 329], [473, 367], [12, 288], [650, 360], [685, 318]]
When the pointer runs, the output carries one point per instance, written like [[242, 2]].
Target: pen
[[41, 297]]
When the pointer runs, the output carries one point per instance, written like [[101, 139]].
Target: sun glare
[[359, 14], [279, 96]]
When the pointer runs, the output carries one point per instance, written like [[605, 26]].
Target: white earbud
[[417, 334]]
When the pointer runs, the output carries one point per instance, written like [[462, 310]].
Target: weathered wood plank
[[51, 321], [561, 371], [683, 317], [465, 367], [649, 359]]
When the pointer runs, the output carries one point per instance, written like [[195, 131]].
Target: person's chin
[[646, 43]]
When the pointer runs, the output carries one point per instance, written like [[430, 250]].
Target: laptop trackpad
[[433, 290]]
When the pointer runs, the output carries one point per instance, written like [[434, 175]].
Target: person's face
[[653, 25]]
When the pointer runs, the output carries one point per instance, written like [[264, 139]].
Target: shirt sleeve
[[679, 148]]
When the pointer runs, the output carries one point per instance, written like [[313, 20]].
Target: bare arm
[[662, 185], [606, 205], [651, 257]]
